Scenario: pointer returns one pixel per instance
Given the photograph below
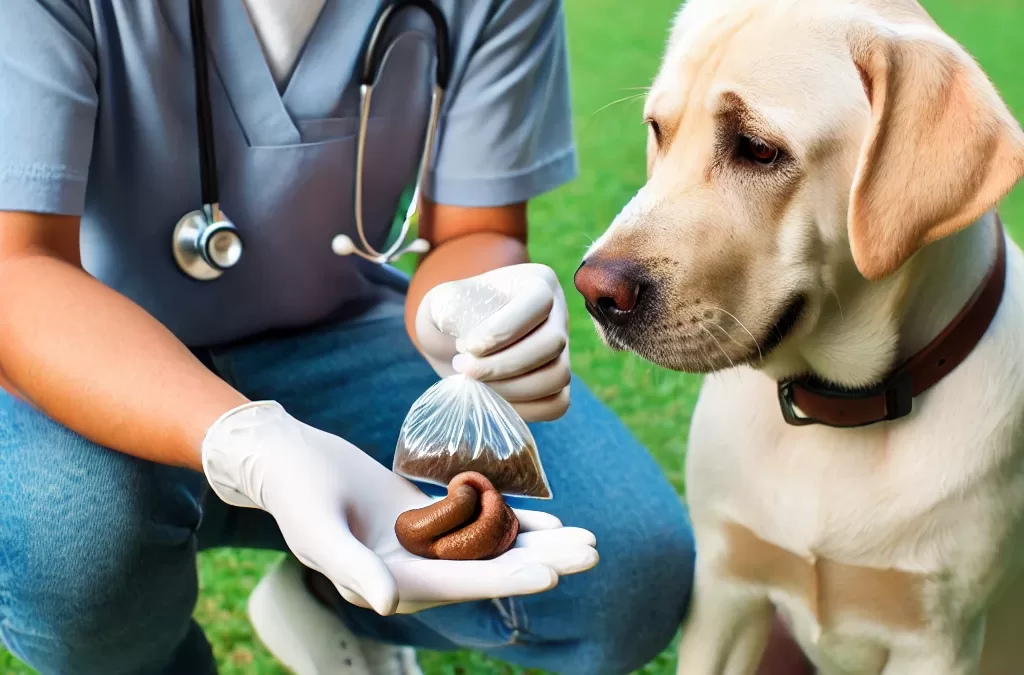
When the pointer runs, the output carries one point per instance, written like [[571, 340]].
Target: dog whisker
[[760, 355], [840, 304], [709, 363], [719, 345], [621, 100], [727, 333]]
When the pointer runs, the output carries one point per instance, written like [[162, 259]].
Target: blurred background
[[615, 47]]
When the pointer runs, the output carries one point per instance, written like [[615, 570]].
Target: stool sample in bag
[[460, 424]]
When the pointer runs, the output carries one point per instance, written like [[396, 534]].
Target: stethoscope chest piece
[[206, 244]]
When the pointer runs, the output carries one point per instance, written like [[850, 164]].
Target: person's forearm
[[94, 361], [460, 258]]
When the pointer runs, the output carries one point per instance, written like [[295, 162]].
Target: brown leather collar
[[893, 398]]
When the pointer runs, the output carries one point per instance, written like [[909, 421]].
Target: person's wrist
[[191, 429]]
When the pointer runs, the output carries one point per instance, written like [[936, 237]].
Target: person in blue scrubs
[[146, 416]]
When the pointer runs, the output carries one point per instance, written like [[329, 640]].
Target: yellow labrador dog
[[818, 232]]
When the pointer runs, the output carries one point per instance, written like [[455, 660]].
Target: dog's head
[[793, 147]]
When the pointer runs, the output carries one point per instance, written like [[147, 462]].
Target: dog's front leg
[[726, 629], [943, 655]]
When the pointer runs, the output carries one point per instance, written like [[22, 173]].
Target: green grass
[[615, 47]]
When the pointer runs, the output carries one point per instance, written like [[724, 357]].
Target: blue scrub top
[[97, 118]]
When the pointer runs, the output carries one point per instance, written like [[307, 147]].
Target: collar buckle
[[789, 408]]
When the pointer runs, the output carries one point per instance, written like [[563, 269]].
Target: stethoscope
[[206, 243]]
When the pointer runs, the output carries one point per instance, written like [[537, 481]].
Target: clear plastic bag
[[461, 424]]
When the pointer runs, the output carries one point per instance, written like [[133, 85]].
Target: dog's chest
[[826, 591], [837, 562], [847, 499], [852, 539]]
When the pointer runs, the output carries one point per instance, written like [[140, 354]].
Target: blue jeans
[[98, 549]]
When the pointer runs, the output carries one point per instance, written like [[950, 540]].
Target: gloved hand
[[521, 350], [337, 508]]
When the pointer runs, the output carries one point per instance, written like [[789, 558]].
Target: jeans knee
[[622, 614], [641, 597], [97, 550]]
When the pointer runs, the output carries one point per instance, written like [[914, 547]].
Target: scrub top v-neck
[[98, 119], [282, 27]]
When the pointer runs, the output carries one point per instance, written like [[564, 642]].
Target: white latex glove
[[521, 350], [337, 508]]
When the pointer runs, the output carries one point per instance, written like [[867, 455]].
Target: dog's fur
[[894, 549]]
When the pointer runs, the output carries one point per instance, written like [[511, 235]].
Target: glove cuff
[[230, 453]]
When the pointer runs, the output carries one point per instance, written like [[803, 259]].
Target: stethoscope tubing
[[209, 188], [373, 58], [195, 231], [366, 95]]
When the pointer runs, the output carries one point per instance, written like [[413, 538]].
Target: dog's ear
[[942, 147]]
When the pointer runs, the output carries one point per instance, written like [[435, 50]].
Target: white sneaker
[[385, 659], [308, 638]]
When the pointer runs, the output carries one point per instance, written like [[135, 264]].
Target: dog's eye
[[655, 129], [757, 150]]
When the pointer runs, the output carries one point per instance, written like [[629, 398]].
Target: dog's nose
[[610, 287]]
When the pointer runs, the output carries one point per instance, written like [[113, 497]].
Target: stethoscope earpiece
[[343, 245], [418, 247]]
